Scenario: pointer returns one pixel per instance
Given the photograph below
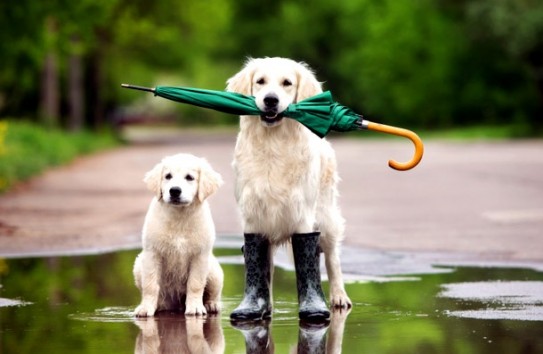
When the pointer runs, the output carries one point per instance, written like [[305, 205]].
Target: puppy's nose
[[271, 101], [175, 192]]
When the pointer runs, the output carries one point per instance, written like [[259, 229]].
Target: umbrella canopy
[[226, 102], [319, 113]]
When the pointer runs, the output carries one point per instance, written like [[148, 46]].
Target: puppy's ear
[[242, 81], [153, 179], [209, 181], [307, 83]]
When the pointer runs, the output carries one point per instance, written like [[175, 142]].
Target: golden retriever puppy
[[286, 189], [176, 269]]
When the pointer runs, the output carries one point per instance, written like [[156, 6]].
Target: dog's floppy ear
[[242, 81], [209, 181], [307, 85], [153, 179]]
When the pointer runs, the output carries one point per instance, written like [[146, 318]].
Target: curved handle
[[419, 147]]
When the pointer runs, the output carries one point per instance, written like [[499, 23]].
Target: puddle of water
[[85, 303]]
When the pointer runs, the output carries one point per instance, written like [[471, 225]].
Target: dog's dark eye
[[261, 81], [168, 176], [287, 82], [189, 178]]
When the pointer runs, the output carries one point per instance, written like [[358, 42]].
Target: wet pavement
[[445, 258], [482, 200]]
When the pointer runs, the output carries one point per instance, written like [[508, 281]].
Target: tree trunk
[[95, 96], [75, 88], [50, 95]]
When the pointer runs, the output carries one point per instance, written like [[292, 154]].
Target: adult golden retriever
[[176, 269], [285, 175]]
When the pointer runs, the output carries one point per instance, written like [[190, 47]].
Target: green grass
[[27, 149]]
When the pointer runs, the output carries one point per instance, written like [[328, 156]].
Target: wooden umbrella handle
[[419, 147]]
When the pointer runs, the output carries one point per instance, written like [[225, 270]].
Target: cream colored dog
[[285, 175], [176, 269]]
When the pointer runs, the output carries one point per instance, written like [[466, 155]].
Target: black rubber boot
[[256, 303], [311, 299]]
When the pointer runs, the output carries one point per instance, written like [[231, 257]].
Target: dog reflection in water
[[180, 334], [313, 338]]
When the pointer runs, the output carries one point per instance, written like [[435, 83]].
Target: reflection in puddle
[[180, 334], [312, 338], [85, 304]]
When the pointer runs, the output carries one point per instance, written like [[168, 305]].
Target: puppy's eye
[[261, 81], [189, 178], [287, 82], [168, 176]]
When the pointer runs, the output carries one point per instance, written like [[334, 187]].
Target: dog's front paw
[[195, 309], [213, 307], [145, 310], [339, 299]]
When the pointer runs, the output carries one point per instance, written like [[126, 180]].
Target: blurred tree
[[90, 43], [517, 26], [421, 63], [50, 95]]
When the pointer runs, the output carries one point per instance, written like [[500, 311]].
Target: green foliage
[[422, 64], [27, 149]]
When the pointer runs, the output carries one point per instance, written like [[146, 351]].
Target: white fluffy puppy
[[176, 269], [286, 176]]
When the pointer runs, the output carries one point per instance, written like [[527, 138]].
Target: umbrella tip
[[141, 88]]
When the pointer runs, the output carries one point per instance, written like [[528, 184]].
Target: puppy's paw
[[213, 306], [195, 309], [340, 300], [145, 310]]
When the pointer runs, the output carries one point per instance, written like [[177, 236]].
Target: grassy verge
[[27, 149]]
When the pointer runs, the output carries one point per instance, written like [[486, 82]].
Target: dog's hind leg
[[338, 295], [212, 298], [332, 230]]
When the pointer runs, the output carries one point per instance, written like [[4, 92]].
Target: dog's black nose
[[271, 101], [175, 192]]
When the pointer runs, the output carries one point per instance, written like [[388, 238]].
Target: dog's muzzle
[[271, 114]]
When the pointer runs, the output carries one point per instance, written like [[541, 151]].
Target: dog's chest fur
[[277, 175], [178, 241]]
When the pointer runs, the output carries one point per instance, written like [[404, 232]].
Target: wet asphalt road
[[466, 201]]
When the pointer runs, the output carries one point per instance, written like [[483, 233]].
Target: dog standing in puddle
[[286, 190]]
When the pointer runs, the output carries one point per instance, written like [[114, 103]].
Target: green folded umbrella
[[319, 113]]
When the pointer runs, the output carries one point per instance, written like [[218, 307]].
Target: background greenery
[[27, 149], [422, 64]]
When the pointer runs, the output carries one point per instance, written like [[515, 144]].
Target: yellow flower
[[3, 133]]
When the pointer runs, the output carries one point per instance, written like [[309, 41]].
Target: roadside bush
[[27, 149]]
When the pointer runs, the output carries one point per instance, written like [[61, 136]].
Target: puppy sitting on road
[[176, 269]]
